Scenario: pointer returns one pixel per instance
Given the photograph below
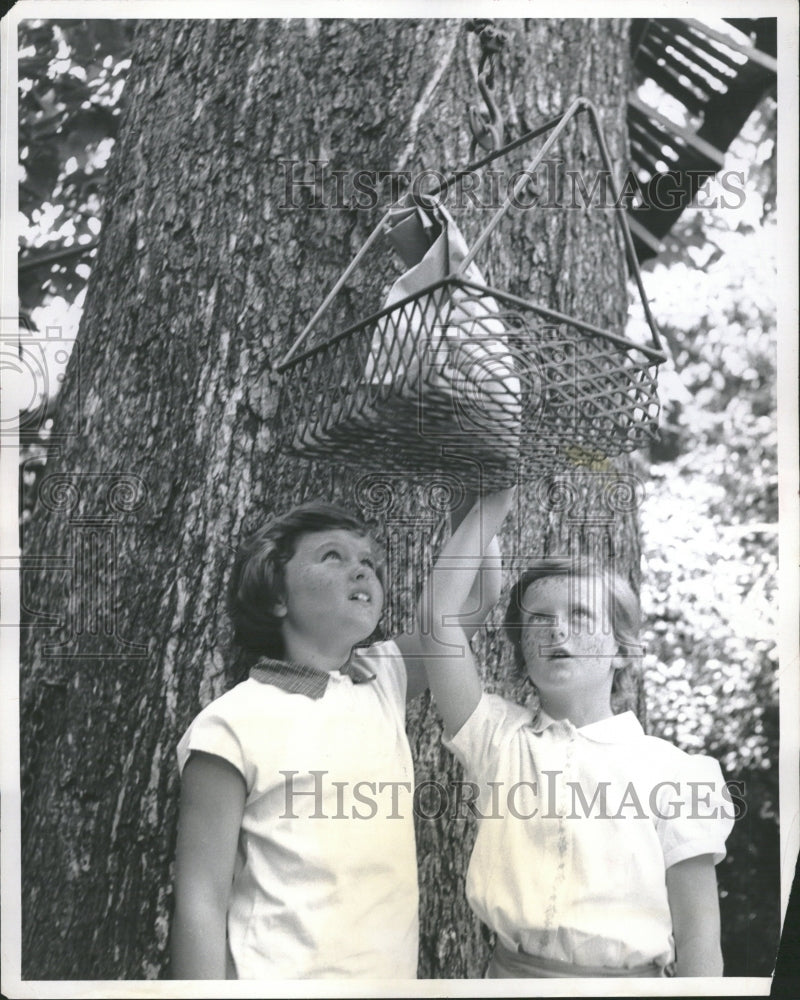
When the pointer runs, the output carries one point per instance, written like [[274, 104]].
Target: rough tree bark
[[163, 449]]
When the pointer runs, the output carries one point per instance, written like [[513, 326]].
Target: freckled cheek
[[531, 644], [599, 647], [534, 644], [314, 584]]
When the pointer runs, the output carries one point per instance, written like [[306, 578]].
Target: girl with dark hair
[[278, 876]]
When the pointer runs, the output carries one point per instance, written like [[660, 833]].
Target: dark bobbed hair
[[623, 606], [257, 579]]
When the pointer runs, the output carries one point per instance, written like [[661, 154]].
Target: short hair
[[624, 606], [258, 575]]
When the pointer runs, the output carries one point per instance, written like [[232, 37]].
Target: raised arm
[[212, 803], [488, 582], [451, 668], [482, 597]]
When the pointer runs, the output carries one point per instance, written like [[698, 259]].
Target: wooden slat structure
[[718, 80]]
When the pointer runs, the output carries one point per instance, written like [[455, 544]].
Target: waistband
[[507, 964]]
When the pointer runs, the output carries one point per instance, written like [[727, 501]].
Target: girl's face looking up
[[567, 641], [332, 594]]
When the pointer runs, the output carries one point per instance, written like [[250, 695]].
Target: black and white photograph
[[400, 499]]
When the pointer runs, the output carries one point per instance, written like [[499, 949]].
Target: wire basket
[[468, 378]]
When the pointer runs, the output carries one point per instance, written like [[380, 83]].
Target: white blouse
[[326, 878], [576, 829]]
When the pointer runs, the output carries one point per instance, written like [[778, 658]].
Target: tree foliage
[[70, 100], [71, 80], [710, 524]]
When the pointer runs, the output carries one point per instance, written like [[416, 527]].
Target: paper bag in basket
[[446, 350]]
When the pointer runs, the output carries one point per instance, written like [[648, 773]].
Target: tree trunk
[[163, 451]]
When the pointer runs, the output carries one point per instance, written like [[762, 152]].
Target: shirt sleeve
[[215, 731], [695, 812], [478, 742]]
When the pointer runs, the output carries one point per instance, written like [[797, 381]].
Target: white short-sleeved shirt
[[325, 883], [580, 826]]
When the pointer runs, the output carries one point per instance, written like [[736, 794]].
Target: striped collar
[[297, 678]]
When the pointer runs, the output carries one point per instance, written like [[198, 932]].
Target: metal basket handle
[[557, 124], [337, 287], [578, 105]]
